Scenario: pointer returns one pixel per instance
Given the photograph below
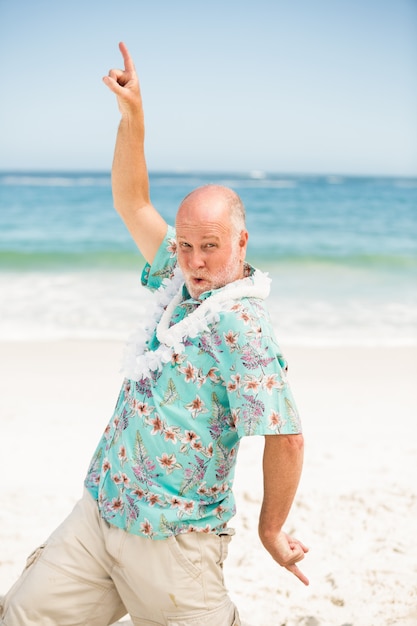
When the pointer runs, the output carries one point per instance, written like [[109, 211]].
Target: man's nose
[[196, 259]]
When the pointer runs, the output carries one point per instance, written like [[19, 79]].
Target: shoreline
[[355, 508]]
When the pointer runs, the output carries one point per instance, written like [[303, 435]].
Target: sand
[[356, 507]]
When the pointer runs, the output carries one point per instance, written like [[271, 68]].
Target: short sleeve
[[254, 373], [163, 264]]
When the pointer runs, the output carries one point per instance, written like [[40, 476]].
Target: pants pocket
[[31, 560], [34, 556], [226, 615], [186, 553]]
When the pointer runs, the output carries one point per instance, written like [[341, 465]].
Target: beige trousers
[[90, 573]]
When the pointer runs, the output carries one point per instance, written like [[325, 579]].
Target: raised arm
[[130, 182], [282, 464]]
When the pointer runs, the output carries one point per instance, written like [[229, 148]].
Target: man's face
[[209, 253]]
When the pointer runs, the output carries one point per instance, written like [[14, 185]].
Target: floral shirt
[[208, 373]]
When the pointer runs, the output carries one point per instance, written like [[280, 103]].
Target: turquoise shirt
[[165, 464]]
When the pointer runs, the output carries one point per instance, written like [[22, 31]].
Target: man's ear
[[243, 240]]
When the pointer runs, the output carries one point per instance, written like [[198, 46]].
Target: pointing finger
[[129, 65], [297, 572]]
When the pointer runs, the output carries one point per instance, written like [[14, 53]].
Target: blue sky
[[302, 86]]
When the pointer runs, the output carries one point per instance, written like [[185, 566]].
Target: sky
[[295, 86]]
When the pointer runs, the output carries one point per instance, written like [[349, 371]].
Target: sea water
[[341, 252]]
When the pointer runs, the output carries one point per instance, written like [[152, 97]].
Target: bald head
[[214, 202]]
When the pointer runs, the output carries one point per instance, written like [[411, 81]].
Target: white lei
[[139, 361]]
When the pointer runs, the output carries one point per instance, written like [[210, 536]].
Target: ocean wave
[[58, 260], [55, 180], [406, 183], [102, 304], [87, 255], [252, 180], [261, 183]]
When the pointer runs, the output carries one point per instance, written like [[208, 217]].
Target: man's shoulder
[[245, 312], [164, 263]]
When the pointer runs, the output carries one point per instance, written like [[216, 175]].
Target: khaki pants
[[90, 573]]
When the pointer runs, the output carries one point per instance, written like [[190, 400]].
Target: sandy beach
[[357, 503]]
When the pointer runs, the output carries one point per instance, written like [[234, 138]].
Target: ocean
[[341, 252]]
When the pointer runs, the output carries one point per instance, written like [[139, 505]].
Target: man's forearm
[[282, 465], [130, 181]]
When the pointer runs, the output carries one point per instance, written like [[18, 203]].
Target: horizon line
[[256, 174]]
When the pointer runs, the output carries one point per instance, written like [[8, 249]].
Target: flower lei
[[139, 361]]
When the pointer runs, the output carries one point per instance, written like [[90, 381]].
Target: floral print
[[166, 461]]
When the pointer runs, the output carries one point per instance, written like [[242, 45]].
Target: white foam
[[109, 305]]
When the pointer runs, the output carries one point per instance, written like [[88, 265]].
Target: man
[[150, 535]]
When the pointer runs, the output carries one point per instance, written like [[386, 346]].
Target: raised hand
[[124, 83]]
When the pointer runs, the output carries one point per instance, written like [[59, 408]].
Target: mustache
[[198, 275]]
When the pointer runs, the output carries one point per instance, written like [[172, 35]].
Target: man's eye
[[184, 244]]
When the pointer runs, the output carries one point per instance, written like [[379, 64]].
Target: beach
[[356, 506], [342, 256]]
